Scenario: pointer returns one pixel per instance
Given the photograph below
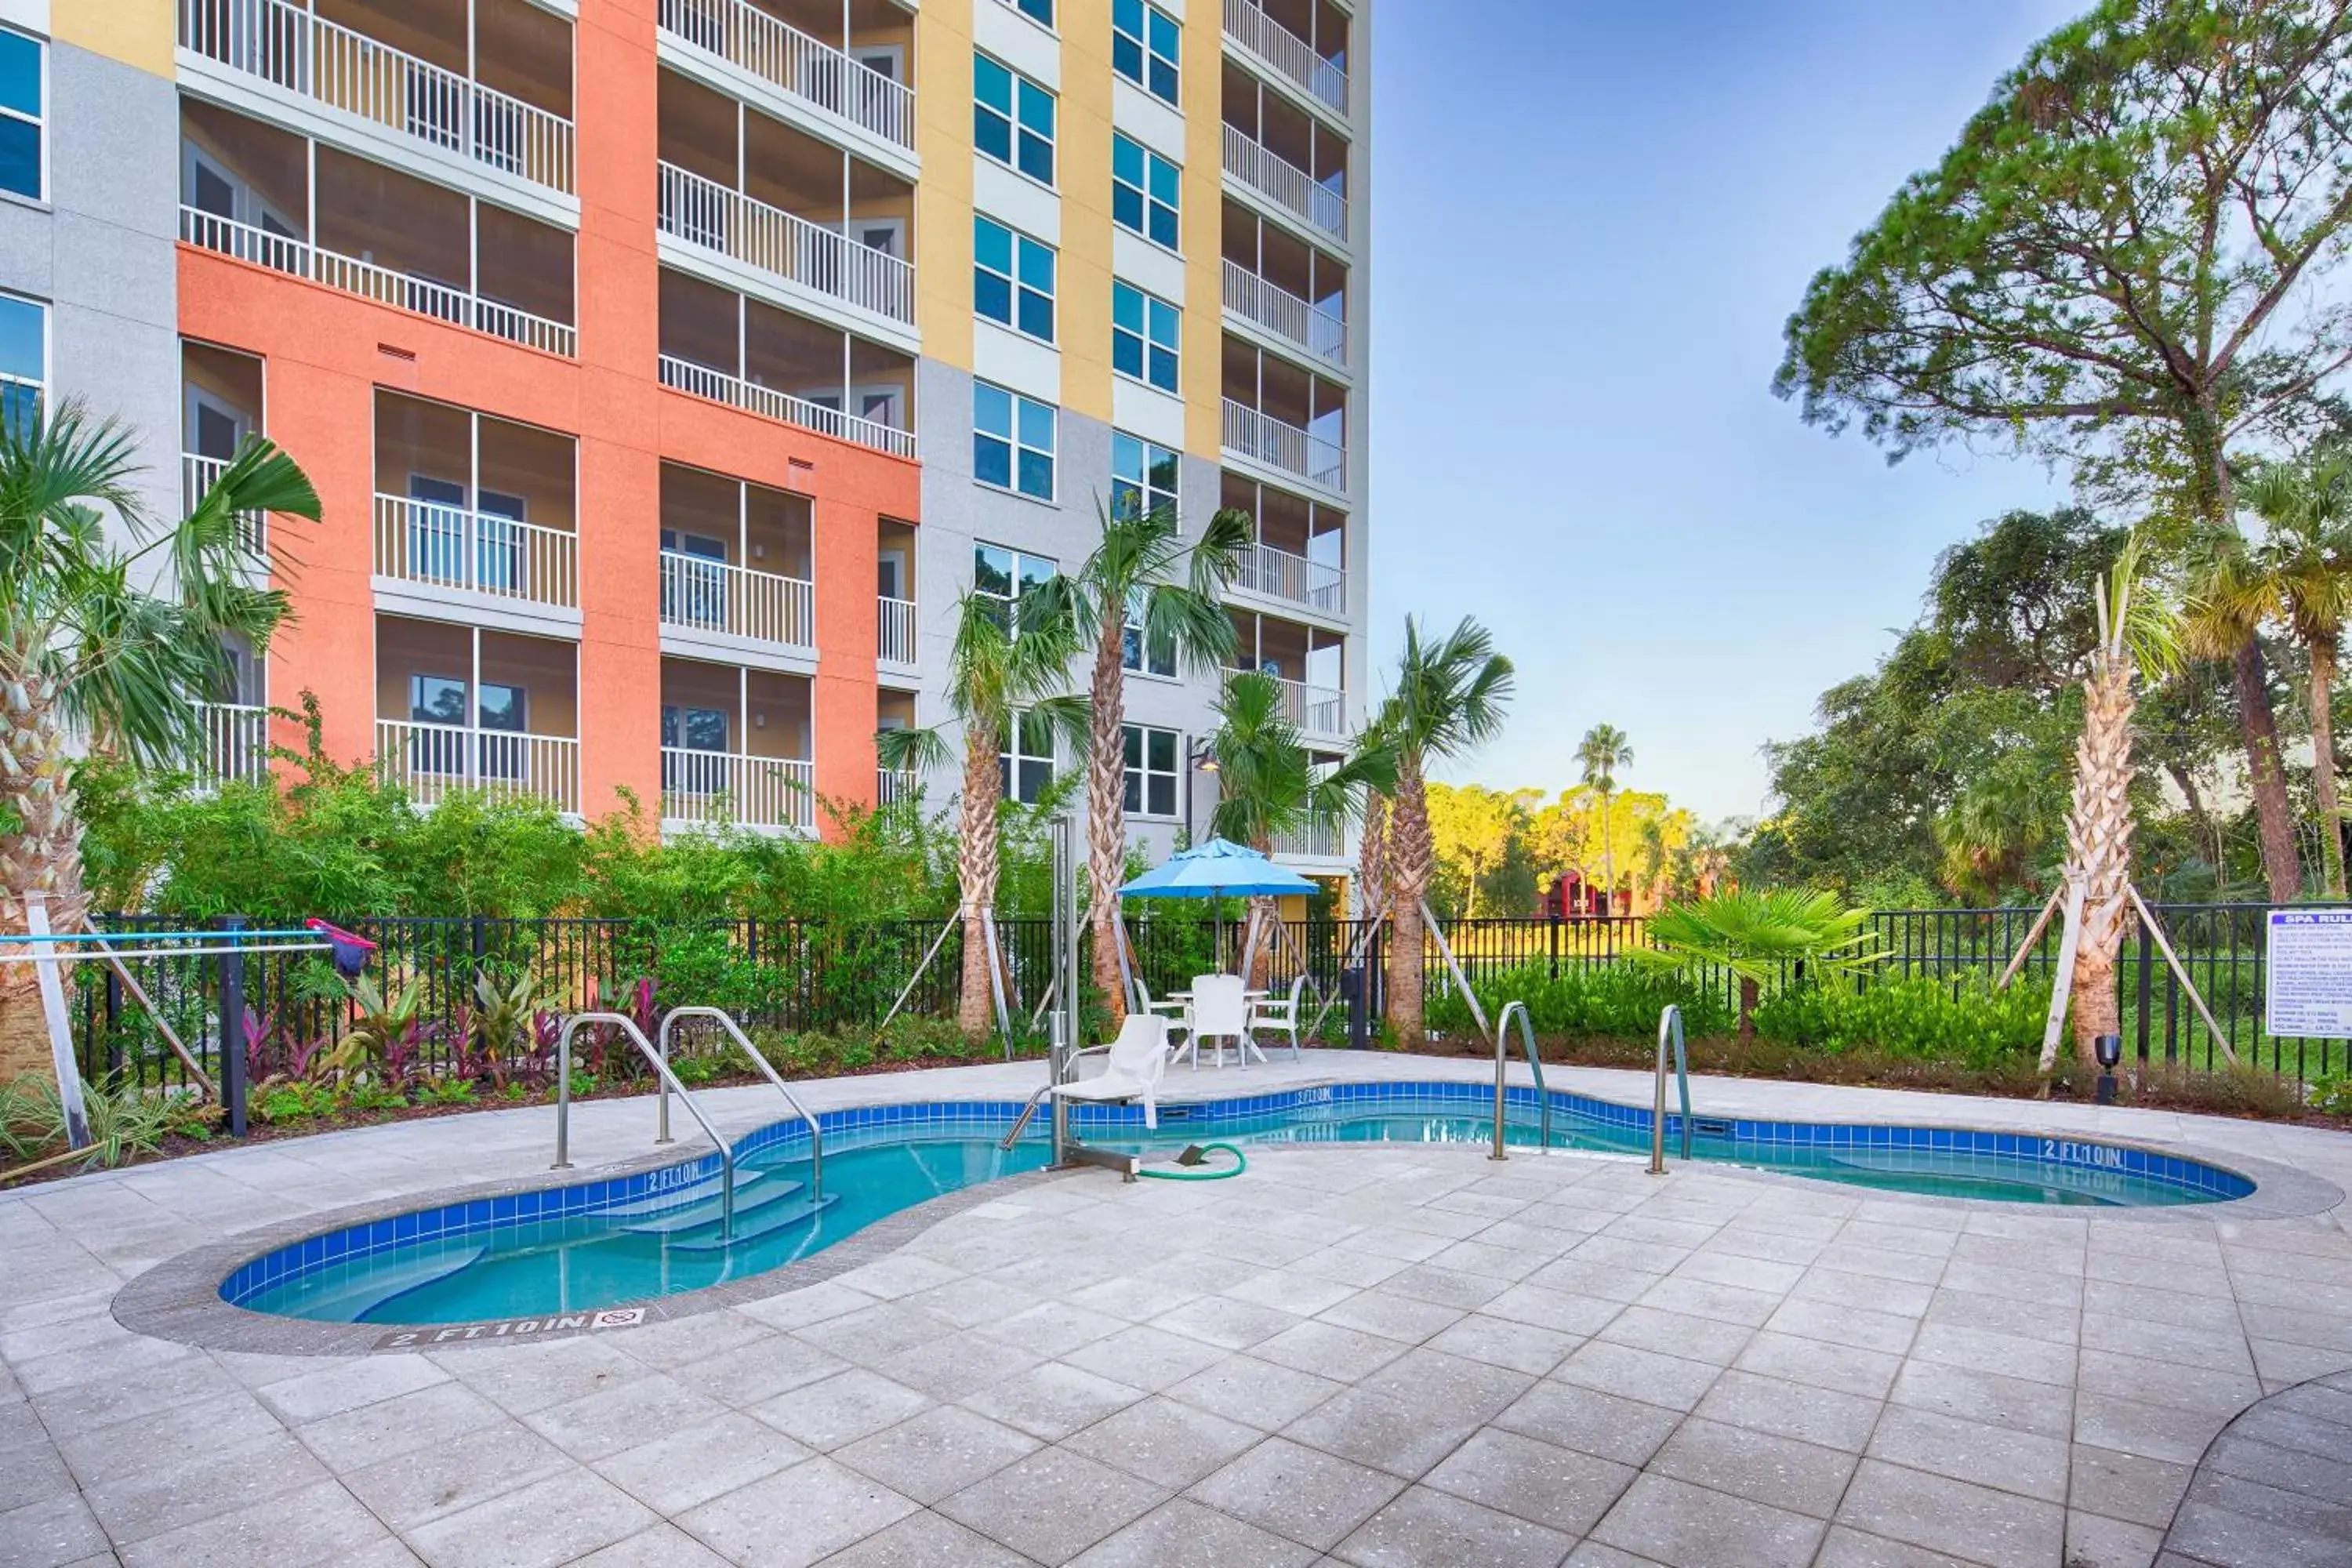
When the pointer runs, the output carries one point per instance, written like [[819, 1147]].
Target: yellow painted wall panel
[[136, 32], [1203, 222], [943, 198], [1082, 170]]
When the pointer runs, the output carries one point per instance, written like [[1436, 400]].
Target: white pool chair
[[1219, 1011], [1133, 1066], [1280, 1016], [1172, 1009]]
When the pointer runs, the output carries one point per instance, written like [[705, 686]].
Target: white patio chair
[[1171, 1008], [1133, 1066], [1220, 1012], [1280, 1015]]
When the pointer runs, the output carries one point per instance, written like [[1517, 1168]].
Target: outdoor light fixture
[[1199, 757], [2109, 1049]]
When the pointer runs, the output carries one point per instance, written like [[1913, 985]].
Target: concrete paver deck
[[1377, 1354]]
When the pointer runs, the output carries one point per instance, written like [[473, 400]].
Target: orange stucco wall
[[327, 351]]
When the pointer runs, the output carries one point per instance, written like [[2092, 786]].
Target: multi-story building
[[670, 369]]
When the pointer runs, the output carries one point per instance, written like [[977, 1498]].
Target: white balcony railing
[[1286, 184], [726, 787], [1320, 711], [704, 213], [299, 52], [795, 64], [1316, 841], [707, 596], [432, 760], [401, 291], [895, 642], [1278, 575], [892, 785], [448, 546], [1285, 315], [718, 387], [234, 742], [1290, 54], [198, 475], [1266, 439]]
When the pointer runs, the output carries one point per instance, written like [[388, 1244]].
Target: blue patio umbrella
[[1215, 869]]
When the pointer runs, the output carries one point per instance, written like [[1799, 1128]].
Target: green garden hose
[[1194, 1154]]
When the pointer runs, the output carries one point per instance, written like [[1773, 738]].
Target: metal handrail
[[669, 1080], [817, 1134], [1670, 1024], [1502, 1055]]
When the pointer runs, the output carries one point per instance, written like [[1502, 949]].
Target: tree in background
[[2125, 262], [1449, 700], [1566, 835], [2299, 573], [1002, 666], [1601, 752], [1479, 838], [89, 655], [1127, 601]]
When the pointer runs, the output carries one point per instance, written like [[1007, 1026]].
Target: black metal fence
[[799, 975]]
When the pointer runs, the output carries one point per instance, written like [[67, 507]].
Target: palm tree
[[1654, 856], [1126, 600], [1002, 666], [2299, 572], [1449, 700], [1758, 936], [89, 649], [1604, 751], [1266, 781]]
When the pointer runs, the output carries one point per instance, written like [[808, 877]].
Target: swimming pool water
[[606, 1244]]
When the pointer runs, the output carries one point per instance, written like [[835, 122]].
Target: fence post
[[113, 1019], [2140, 1031], [1554, 923], [232, 1025]]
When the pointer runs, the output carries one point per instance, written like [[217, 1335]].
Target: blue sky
[[1590, 222]]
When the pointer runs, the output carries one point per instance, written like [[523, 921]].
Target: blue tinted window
[[1037, 426], [1143, 188], [991, 84], [991, 409], [20, 73], [23, 334], [1036, 315], [20, 157], [992, 245], [1036, 475]]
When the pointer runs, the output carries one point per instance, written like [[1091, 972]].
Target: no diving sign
[[2308, 989]]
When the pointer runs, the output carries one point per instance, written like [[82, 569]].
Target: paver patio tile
[[1390, 1242], [1532, 1479], [1646, 1376], [1786, 1409], [1593, 1554], [1498, 1341], [1165, 1441], [1223, 1322], [1183, 1534], [2125, 1486], [810, 1304], [426, 1483], [430, 1416], [1581, 1276], [1053, 1505], [870, 1335], [137, 1501], [2168, 1382], [673, 1473], [796, 1516], [662, 1546], [1869, 1292], [1803, 1477], [521, 1379], [1053, 1401], [185, 1431], [1590, 1422], [55, 1531], [1381, 1311], [1976, 1523], [346, 1385], [1144, 1357], [1845, 1368], [1328, 1350], [841, 1409], [1848, 1256], [130, 1393], [1956, 1344], [320, 1524], [1996, 1457], [1052, 1328], [1402, 1436], [960, 1364], [941, 1451], [606, 1421], [1423, 1526], [746, 1373], [1256, 1393], [927, 1540], [1445, 1287], [545, 1523], [900, 1274], [1974, 1395], [1297, 1492], [1559, 1310], [2093, 1542], [2105, 1302], [2150, 1431], [1709, 1340], [1844, 1547], [1674, 1522], [2056, 1325]]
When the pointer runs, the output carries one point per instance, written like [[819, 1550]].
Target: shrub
[[2331, 1094], [1612, 1000], [125, 1121], [1961, 1019]]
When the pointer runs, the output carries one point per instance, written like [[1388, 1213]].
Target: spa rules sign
[[2310, 975]]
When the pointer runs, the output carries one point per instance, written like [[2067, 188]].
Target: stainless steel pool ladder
[[1020, 1122], [573, 1025], [1670, 1025], [1501, 1053], [817, 1134]]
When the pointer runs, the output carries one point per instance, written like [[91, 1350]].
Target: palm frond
[[913, 751]]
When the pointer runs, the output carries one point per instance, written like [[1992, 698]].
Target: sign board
[[2308, 974]]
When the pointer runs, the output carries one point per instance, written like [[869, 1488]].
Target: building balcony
[[892, 785], [811, 74], [700, 788], [197, 476], [718, 387], [401, 291], [1273, 573], [895, 639], [443, 546], [1313, 330], [432, 760], [1285, 185], [234, 742], [1286, 55], [1319, 711], [1316, 841], [1262, 438], [290, 52], [705, 595], [787, 248]]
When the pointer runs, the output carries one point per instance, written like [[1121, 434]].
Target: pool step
[[684, 1196], [757, 1226], [707, 1211], [384, 1279]]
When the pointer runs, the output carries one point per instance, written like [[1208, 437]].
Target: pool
[[604, 1244]]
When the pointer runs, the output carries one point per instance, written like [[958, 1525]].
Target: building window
[[22, 67], [1027, 758], [24, 361], [1013, 119], [1012, 278], [1003, 575], [1012, 441], [1143, 188], [1144, 333], [1038, 11], [1143, 46], [1146, 655], [1151, 771], [1142, 476]]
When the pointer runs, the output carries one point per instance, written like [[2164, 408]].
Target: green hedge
[[1615, 1000], [1957, 1019]]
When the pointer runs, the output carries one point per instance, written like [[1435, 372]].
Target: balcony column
[[849, 620], [327, 422]]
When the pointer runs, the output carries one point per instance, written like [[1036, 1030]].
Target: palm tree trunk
[[1409, 869], [976, 871], [42, 854], [1372, 858], [2323, 762], [2098, 833], [2267, 775], [1749, 991], [1107, 806], [1608, 858]]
